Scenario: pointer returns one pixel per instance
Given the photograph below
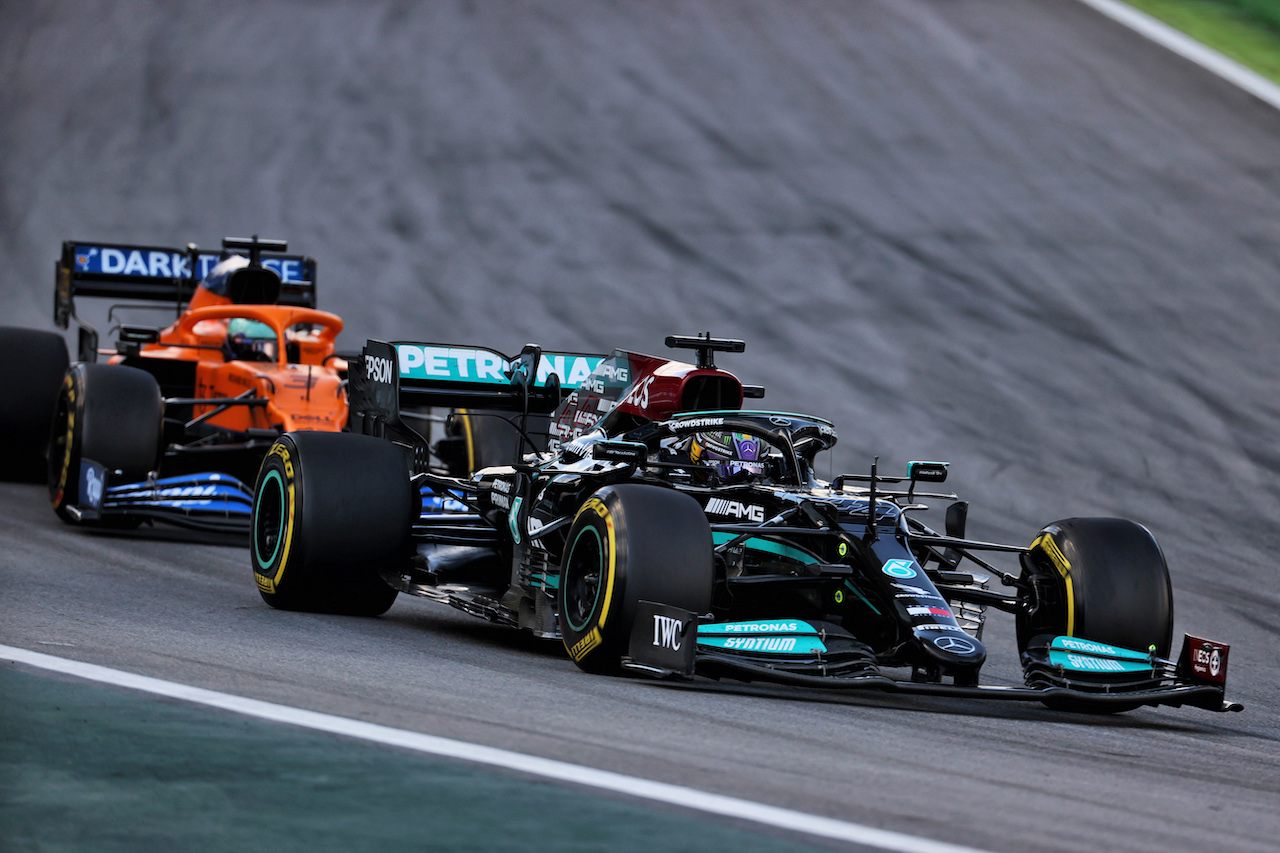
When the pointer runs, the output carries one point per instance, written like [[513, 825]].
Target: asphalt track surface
[[1007, 234]]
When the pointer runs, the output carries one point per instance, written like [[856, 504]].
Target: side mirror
[[254, 286], [139, 334], [927, 472], [957, 517], [88, 344], [524, 369]]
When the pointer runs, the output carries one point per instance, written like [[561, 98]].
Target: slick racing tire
[[1102, 579], [490, 438], [108, 414], [36, 363], [630, 543], [330, 511]]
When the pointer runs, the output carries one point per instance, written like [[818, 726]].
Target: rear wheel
[[39, 362], [106, 414], [1102, 579], [490, 438], [630, 543], [330, 511]]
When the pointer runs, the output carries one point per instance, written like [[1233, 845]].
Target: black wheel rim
[[268, 519], [581, 578], [58, 447]]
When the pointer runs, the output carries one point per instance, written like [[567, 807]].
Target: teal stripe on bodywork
[[1080, 645], [776, 645], [1083, 655], [1093, 663], [858, 593], [769, 636], [759, 626], [487, 367], [513, 519], [768, 546]]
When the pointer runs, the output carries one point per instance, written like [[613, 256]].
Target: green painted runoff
[[91, 767], [1248, 31]]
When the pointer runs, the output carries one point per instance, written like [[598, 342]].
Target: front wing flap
[[215, 502], [798, 653]]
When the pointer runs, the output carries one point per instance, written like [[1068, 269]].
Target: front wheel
[[109, 415], [630, 543], [1101, 579], [39, 362], [330, 511]]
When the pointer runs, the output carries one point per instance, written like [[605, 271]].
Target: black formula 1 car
[[182, 412], [659, 528]]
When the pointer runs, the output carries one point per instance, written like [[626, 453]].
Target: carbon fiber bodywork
[[833, 584]]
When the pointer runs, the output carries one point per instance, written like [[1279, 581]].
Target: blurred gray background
[[1008, 234], [957, 229]]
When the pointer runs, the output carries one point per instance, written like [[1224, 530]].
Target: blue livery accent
[[199, 493], [433, 503], [157, 263]]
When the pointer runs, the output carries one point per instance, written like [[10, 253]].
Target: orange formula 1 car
[[177, 418]]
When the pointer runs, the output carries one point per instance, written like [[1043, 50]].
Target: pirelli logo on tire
[[274, 506], [69, 383], [583, 647], [280, 450], [1046, 543]]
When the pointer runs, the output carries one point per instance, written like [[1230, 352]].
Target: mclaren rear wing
[[392, 377], [159, 274]]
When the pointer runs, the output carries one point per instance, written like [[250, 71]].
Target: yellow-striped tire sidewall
[[275, 513]]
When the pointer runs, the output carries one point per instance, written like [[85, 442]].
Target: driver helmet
[[728, 453], [250, 340], [216, 280]]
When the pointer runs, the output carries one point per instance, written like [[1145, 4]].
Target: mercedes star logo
[[955, 645]]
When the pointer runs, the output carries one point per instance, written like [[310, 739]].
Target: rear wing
[[391, 377], [160, 274]]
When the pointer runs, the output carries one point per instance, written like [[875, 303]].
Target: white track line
[[1185, 46], [676, 795]]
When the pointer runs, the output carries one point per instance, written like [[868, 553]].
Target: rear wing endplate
[[160, 274], [393, 376]]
